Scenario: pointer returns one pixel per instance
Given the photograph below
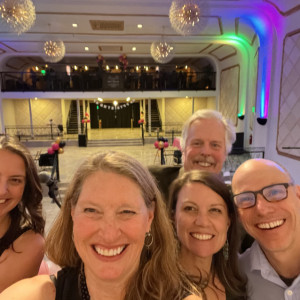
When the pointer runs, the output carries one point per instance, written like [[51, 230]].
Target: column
[[2, 126], [78, 116], [30, 116], [149, 117]]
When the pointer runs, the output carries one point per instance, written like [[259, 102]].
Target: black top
[[67, 287], [67, 284], [164, 176], [6, 242]]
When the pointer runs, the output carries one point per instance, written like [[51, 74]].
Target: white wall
[[8, 112], [292, 23]]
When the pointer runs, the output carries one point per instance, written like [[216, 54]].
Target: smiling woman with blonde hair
[[113, 239]]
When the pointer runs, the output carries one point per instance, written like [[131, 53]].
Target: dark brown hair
[[227, 271], [29, 210]]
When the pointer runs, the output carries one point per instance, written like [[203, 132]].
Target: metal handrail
[[107, 81], [25, 131]]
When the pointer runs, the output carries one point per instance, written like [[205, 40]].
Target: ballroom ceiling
[[110, 28]]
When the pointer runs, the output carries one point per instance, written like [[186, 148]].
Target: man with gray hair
[[207, 138]]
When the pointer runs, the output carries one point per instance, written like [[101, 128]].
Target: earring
[[226, 250], [148, 239]]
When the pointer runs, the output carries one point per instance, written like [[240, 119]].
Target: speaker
[[82, 140], [46, 160], [238, 145], [262, 121]]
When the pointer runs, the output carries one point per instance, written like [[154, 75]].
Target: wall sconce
[[262, 121]]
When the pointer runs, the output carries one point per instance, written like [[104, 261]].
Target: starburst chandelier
[[19, 15], [162, 51], [186, 16], [54, 50]]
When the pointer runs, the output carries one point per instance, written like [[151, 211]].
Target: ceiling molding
[[284, 13], [224, 57]]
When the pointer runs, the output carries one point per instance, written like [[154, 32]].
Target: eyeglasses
[[271, 193]]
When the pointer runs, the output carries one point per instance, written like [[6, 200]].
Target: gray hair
[[201, 114]]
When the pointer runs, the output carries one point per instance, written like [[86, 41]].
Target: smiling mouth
[[2, 201], [271, 225], [110, 252], [202, 237], [203, 164]]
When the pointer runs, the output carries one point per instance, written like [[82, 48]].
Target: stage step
[[115, 143]]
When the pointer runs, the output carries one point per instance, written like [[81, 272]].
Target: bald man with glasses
[[268, 204]]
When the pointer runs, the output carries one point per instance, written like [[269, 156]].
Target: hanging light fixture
[[54, 50], [186, 16], [19, 15], [162, 51]]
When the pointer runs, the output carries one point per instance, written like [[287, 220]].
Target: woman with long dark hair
[[21, 221], [205, 221]]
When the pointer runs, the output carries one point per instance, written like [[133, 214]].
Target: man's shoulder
[[164, 176], [164, 169], [247, 258]]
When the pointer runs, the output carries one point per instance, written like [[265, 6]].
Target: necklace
[[202, 286], [83, 290]]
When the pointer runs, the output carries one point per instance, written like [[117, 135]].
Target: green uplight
[[253, 109], [43, 72], [241, 43], [97, 106]]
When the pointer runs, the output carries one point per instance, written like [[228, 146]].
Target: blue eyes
[[273, 193]]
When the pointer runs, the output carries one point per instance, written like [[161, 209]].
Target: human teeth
[[202, 236], [270, 225], [109, 252], [2, 201], [204, 164]]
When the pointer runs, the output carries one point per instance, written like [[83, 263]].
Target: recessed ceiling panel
[[224, 51], [107, 25]]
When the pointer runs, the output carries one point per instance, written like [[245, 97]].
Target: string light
[[161, 51], [186, 16], [54, 50], [19, 15]]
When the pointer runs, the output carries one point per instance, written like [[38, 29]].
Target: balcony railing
[[31, 132], [107, 81]]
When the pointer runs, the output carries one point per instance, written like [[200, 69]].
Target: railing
[[170, 130], [107, 81], [233, 161], [31, 132]]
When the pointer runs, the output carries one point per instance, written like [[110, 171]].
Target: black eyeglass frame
[[285, 184]]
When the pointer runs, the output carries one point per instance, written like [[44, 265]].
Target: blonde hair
[[202, 114], [158, 275]]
